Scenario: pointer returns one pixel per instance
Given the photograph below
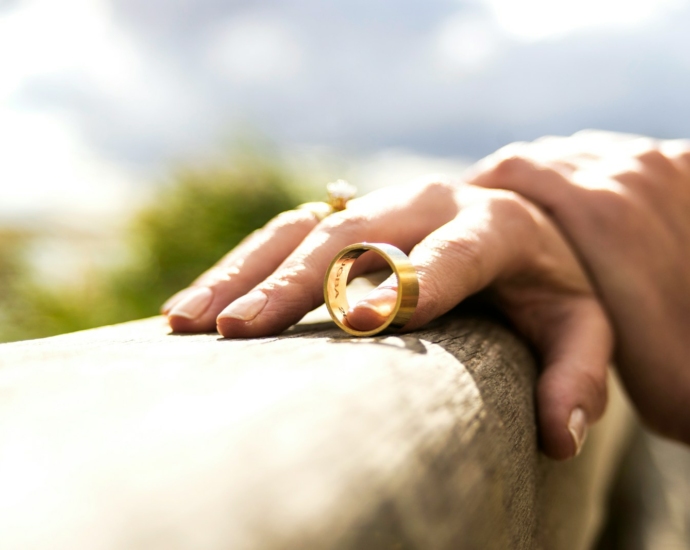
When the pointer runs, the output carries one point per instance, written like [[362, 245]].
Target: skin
[[461, 239], [623, 203]]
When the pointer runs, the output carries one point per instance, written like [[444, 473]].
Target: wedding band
[[335, 286], [339, 193]]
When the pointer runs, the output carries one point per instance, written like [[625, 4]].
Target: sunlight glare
[[539, 19], [46, 163], [466, 43], [44, 39], [46, 166]]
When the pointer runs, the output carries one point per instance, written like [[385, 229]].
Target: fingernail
[[381, 300], [175, 298], [247, 307], [193, 304], [577, 426]]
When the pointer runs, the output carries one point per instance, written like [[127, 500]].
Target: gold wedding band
[[339, 193], [335, 286]]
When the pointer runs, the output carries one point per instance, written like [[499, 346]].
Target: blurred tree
[[189, 224], [192, 223]]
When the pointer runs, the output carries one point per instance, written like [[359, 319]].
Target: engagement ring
[[339, 193]]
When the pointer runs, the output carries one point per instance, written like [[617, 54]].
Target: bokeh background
[[140, 140]]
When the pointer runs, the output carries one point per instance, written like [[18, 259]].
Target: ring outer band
[[335, 286]]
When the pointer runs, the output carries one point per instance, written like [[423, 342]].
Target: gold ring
[[339, 193], [335, 286]]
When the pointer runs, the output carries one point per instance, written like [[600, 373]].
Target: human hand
[[460, 239], [623, 202]]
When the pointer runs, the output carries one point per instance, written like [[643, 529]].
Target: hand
[[461, 239], [624, 204]]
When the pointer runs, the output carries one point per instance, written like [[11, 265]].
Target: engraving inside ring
[[346, 293]]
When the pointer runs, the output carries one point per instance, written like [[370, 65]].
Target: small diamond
[[341, 190]]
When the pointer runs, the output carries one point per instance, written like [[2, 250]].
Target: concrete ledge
[[126, 437]]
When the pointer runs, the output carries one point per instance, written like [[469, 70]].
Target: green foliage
[[11, 270], [194, 222], [190, 223]]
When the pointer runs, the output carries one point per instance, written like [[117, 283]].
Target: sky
[[99, 97]]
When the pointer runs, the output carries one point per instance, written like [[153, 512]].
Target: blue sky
[[97, 96]]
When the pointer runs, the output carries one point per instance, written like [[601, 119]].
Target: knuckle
[[343, 221], [602, 198], [434, 190], [509, 202], [218, 275], [652, 156], [684, 154], [503, 164], [429, 284], [464, 254], [466, 251], [685, 158], [509, 205], [678, 150], [642, 144], [295, 284], [290, 218], [509, 167], [438, 186], [290, 222]]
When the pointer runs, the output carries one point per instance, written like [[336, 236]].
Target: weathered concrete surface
[[127, 437]]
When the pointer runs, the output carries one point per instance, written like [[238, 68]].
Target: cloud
[[252, 49], [134, 85]]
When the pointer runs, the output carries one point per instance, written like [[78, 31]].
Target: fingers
[[293, 290], [397, 216], [575, 342], [581, 201], [491, 239], [562, 173], [195, 309], [488, 240], [506, 244], [678, 150], [599, 208], [543, 184]]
